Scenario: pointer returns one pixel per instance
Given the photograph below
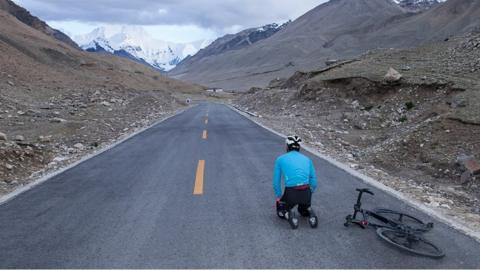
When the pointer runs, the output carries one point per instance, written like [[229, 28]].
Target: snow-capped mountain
[[417, 5], [135, 43]]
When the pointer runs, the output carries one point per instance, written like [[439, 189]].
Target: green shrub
[[409, 105]]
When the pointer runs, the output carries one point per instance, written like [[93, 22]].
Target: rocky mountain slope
[[416, 130], [58, 102], [134, 43], [24, 16], [338, 29], [230, 42]]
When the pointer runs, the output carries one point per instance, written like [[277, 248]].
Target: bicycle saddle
[[366, 190]]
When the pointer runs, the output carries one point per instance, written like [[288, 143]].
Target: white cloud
[[175, 18], [204, 13]]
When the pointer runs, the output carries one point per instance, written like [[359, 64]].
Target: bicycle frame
[[363, 223], [385, 222]]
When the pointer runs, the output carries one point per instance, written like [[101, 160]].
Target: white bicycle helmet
[[293, 141]]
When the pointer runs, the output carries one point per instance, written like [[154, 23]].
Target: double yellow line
[[199, 175]]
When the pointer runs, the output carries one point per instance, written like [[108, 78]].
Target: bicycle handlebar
[[365, 190]]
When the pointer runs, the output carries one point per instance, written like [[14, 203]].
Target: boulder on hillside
[[79, 146], [3, 136], [392, 76], [472, 166]]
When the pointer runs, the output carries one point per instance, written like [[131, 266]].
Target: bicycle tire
[[399, 240], [400, 218]]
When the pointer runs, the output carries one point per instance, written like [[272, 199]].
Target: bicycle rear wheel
[[416, 245], [399, 218]]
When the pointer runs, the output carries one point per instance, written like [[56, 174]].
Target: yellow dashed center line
[[198, 189]]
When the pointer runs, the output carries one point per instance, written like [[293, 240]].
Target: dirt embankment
[[418, 134]]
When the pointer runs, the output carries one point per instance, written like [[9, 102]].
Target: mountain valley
[[388, 87]]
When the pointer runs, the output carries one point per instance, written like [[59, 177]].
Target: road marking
[[204, 136], [198, 189]]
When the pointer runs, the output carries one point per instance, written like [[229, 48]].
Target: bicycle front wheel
[[416, 245]]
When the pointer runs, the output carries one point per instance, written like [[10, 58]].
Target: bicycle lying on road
[[398, 229]]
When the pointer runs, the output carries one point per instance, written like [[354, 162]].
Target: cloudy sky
[[171, 20]]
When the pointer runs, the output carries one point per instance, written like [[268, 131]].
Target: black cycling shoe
[[312, 218], [313, 221], [281, 209], [292, 220]]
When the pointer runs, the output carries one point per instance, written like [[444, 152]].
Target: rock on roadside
[[79, 146], [57, 120]]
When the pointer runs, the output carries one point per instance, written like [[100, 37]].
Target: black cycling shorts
[[293, 197]]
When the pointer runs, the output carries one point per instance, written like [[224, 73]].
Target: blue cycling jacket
[[297, 170]]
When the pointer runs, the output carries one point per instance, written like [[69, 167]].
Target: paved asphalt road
[[133, 207]]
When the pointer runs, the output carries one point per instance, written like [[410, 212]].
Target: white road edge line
[[6, 198], [414, 203]]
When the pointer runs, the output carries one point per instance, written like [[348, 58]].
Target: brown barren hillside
[[24, 16], [338, 29], [58, 103]]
